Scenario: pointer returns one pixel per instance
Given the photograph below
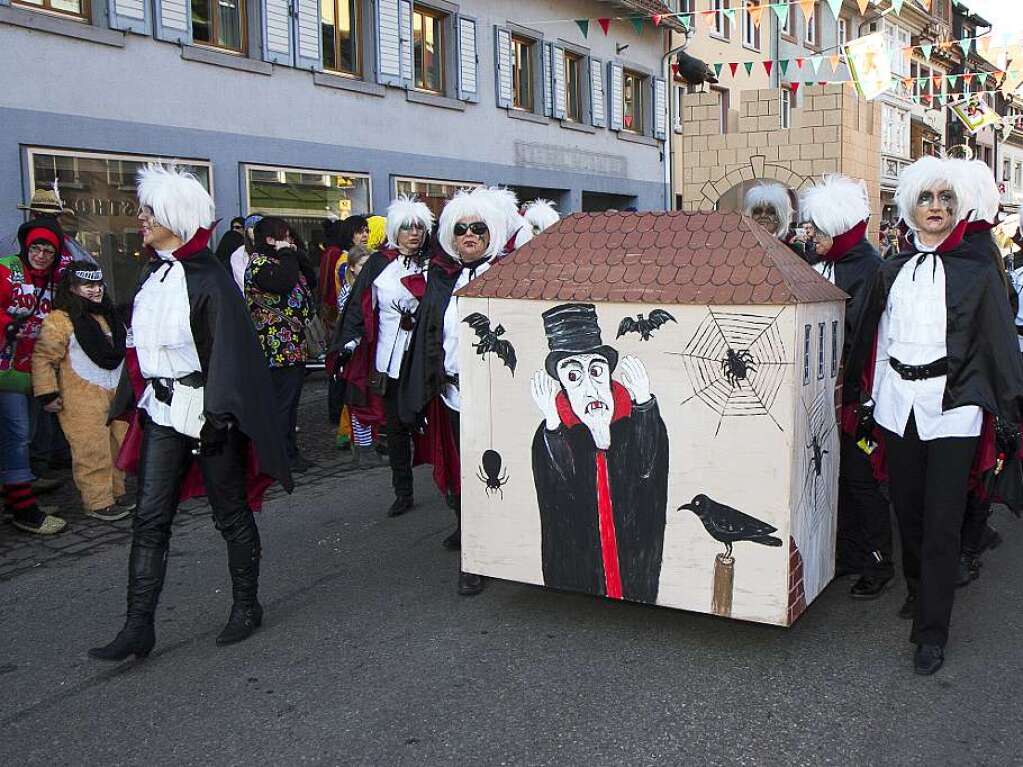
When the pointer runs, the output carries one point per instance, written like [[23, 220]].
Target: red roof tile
[[703, 258]]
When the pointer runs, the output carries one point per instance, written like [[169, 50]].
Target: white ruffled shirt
[[449, 393], [388, 294]]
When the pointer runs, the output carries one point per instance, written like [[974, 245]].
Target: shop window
[[340, 26], [428, 49], [633, 89], [573, 87], [77, 8], [523, 56], [219, 24], [100, 189], [806, 354], [435, 193], [305, 197]]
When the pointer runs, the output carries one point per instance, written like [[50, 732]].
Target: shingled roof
[[655, 258]]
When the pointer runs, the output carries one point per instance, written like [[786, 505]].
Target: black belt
[[451, 379], [163, 388], [934, 369]]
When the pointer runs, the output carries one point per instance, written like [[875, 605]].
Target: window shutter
[[130, 16], [388, 42], [307, 34], [558, 65], [173, 21], [277, 45], [547, 75], [660, 103], [468, 67], [503, 66], [405, 19], [598, 106], [616, 95]]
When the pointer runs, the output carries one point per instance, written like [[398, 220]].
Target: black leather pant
[[864, 520], [399, 443], [166, 458]]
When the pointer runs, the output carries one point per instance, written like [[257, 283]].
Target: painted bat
[[645, 326], [490, 340]]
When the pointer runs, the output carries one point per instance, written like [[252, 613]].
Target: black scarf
[[105, 351]]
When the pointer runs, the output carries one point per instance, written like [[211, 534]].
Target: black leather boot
[[146, 570], [246, 612], [454, 541]]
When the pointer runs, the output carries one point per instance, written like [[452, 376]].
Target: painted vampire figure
[[600, 464], [375, 331], [472, 234], [935, 365], [833, 223], [197, 391]]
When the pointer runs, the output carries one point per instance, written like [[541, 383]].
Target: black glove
[[865, 423], [343, 357], [11, 332], [212, 436], [1007, 437]]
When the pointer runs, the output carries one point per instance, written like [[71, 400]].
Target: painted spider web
[[818, 462], [736, 364]]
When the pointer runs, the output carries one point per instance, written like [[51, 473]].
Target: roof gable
[[656, 258]]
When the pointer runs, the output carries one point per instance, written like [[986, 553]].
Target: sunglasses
[[478, 228], [414, 226]]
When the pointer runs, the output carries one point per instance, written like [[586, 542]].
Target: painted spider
[[736, 366], [817, 454], [489, 473], [407, 313]]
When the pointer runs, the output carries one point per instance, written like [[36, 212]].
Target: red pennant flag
[[657, 19], [674, 69], [794, 86], [968, 79], [799, 63], [767, 66], [605, 24], [733, 65]]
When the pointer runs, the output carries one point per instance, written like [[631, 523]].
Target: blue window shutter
[[306, 23], [388, 42], [660, 104], [615, 96], [503, 66], [558, 81], [405, 21], [130, 16], [598, 104], [277, 38], [468, 59], [173, 21], [546, 74]]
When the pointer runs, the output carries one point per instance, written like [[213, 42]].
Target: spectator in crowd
[[769, 204], [281, 302], [233, 238], [340, 237], [27, 282], [361, 433], [76, 365], [240, 257]]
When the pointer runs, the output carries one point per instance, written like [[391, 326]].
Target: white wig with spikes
[[178, 200], [924, 174], [775, 195], [835, 205], [405, 210], [541, 214], [477, 204], [508, 202], [983, 197]]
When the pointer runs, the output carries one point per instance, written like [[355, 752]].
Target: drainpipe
[[670, 133]]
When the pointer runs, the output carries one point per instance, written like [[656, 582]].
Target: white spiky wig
[[983, 196], [476, 203], [178, 200], [775, 195], [835, 205], [405, 210], [541, 214], [922, 175]]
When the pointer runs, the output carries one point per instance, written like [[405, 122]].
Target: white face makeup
[[935, 213], [472, 238], [586, 379]]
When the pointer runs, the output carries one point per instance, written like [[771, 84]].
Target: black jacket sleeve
[[278, 275]]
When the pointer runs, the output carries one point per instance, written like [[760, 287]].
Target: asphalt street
[[368, 656]]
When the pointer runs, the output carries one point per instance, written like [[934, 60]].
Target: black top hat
[[572, 329]]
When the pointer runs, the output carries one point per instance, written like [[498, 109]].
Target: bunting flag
[[755, 12], [730, 14], [968, 79], [834, 58], [982, 78], [807, 7], [605, 24], [783, 65], [926, 51], [869, 65], [965, 45], [794, 86], [584, 26], [717, 70], [863, 6], [952, 80], [637, 24], [815, 64], [767, 67], [674, 70], [897, 5], [781, 10], [749, 67], [656, 19], [836, 7], [799, 63], [689, 22], [734, 65], [708, 16]]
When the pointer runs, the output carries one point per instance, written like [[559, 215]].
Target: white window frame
[[785, 108], [812, 27], [247, 166], [720, 27], [843, 31], [423, 180], [750, 31]]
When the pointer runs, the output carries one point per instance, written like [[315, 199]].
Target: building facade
[[315, 108]]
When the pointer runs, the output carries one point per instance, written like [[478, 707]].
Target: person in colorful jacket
[[27, 282], [280, 300]]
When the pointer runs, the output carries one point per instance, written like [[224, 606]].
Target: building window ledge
[[636, 138], [533, 117], [44, 22], [434, 100], [229, 60], [340, 82], [581, 127]]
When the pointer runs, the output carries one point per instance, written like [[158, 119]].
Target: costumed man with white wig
[[540, 214], [196, 390], [518, 229], [770, 206], [935, 364], [833, 215], [472, 235], [375, 330]]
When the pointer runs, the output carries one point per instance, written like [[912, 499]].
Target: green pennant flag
[[687, 22], [815, 63], [836, 6], [897, 5], [584, 26], [926, 51], [782, 11], [717, 70], [783, 65], [749, 67], [637, 24], [982, 78], [952, 80], [730, 13], [965, 45]]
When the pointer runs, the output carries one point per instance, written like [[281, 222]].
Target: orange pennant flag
[[863, 6], [984, 44], [834, 58], [807, 6], [755, 12]]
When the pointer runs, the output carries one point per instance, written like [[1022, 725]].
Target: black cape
[[854, 273], [564, 472], [228, 244], [985, 367], [237, 386]]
